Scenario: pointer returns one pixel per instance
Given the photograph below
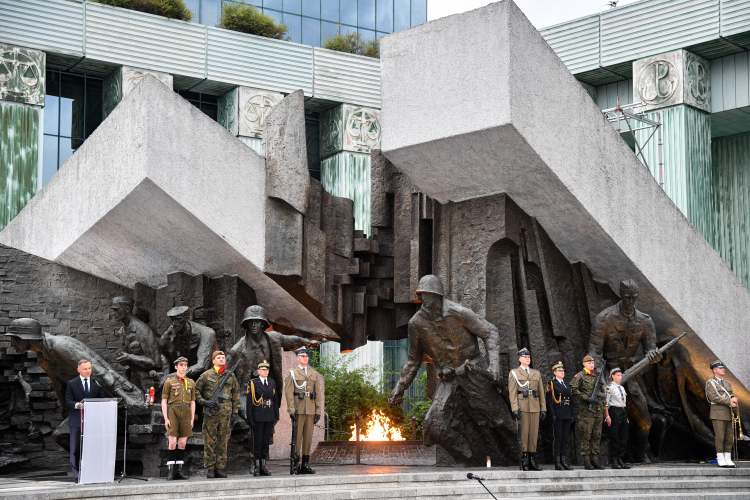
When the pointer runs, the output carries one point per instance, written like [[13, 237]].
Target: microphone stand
[[125, 453], [472, 476]]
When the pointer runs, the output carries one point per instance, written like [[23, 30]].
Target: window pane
[[385, 15], [349, 12], [195, 8], [311, 32], [327, 30], [366, 17], [347, 29], [366, 34], [274, 14], [418, 12], [380, 34], [49, 158], [295, 27], [272, 4], [329, 10], [310, 8], [93, 104], [66, 151], [51, 113], [212, 110], [71, 106], [401, 14], [210, 12], [293, 6]]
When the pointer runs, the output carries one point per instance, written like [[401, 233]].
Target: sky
[[541, 13]]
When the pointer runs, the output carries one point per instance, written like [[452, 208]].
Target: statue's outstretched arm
[[486, 331], [410, 369]]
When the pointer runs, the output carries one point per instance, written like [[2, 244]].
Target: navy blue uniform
[[561, 411], [262, 408]]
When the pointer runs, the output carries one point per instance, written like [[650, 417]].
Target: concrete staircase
[[689, 482]]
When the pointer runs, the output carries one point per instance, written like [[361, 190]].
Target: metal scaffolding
[[635, 113]]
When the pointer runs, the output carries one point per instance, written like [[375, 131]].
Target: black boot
[[180, 471], [532, 462], [564, 463], [264, 471], [614, 463], [558, 463], [622, 463], [210, 473], [525, 462], [295, 470], [596, 465], [170, 472], [587, 464], [170, 464], [256, 471], [305, 468], [179, 474], [220, 473]]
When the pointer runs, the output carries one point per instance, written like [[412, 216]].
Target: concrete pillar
[[22, 92], [347, 136], [676, 87], [122, 81], [243, 112]]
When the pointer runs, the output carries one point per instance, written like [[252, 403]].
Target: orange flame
[[378, 428]]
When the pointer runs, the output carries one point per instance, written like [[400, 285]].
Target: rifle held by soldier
[[213, 401], [293, 451], [596, 393]]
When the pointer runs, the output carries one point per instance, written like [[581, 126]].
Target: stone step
[[687, 482]]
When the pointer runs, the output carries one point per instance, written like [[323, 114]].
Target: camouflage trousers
[[589, 431], [216, 432]]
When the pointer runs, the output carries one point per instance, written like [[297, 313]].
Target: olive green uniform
[[588, 424], [217, 428], [308, 385], [179, 395]]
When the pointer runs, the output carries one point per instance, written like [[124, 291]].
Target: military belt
[[265, 404], [528, 393], [566, 402], [178, 405], [303, 395]]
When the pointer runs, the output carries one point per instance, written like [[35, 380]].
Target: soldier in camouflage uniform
[[589, 423], [218, 427]]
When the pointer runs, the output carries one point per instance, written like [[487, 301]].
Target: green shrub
[[238, 16], [173, 9], [353, 44], [349, 392], [418, 410]]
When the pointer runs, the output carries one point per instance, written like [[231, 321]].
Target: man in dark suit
[[80, 388], [262, 414]]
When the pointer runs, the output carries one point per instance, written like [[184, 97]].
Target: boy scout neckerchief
[[220, 369], [588, 371], [185, 381]]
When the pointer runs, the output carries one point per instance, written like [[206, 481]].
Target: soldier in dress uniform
[[262, 414], [617, 420], [302, 391], [526, 391], [719, 394], [589, 423], [561, 411], [218, 427], [178, 408]]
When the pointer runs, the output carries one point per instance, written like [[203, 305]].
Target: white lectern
[[98, 440]]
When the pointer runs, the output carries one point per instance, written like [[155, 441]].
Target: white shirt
[[83, 381], [303, 369], [263, 380], [616, 395]]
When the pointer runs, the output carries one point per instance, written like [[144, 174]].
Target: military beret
[[302, 351], [180, 360], [524, 352], [588, 358], [717, 364], [558, 366], [614, 370], [265, 365], [217, 353], [177, 311]]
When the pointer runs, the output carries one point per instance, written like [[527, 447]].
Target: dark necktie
[[86, 387], [621, 394]]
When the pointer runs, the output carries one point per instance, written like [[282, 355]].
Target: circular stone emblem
[[657, 82]]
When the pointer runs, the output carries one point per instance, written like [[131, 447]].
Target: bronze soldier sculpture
[[447, 335], [58, 355], [188, 339], [140, 345], [617, 333], [258, 345]]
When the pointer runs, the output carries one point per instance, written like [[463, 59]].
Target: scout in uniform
[[589, 423], [719, 394], [178, 408], [526, 391], [262, 414], [218, 427], [617, 420], [301, 389], [561, 411]]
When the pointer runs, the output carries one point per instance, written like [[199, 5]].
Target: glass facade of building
[[311, 21]]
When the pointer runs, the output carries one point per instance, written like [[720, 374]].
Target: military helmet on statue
[[255, 312], [25, 328], [430, 284]]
